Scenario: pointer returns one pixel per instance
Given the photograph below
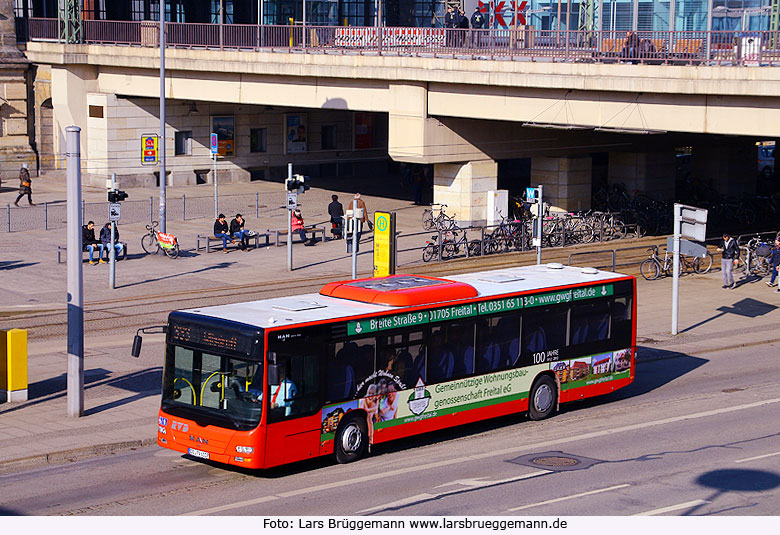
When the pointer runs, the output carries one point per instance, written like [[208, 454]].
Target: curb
[[675, 353], [74, 454]]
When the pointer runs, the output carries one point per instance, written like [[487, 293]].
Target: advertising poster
[[149, 149], [296, 133], [364, 131], [225, 128]]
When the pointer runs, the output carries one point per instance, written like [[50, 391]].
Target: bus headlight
[[244, 449]]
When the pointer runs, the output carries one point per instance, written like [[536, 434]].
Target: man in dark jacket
[[774, 262], [336, 213], [449, 18], [221, 230], [89, 243], [477, 23], [105, 239], [237, 231], [728, 246]]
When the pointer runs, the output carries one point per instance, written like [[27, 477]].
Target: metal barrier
[[651, 47]]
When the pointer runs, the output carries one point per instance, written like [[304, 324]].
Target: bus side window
[[341, 373], [589, 322], [298, 392], [441, 361], [544, 329], [621, 321], [488, 350]]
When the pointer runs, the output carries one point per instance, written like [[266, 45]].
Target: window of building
[[183, 143], [257, 140], [328, 137], [96, 112]]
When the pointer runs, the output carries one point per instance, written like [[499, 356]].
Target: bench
[[208, 240], [688, 47], [85, 254], [313, 230]]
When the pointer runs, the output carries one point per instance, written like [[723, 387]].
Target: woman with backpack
[[25, 185]]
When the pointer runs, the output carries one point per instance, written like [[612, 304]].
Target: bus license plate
[[198, 453]]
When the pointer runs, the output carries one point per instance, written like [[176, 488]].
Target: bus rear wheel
[[351, 440], [542, 398]]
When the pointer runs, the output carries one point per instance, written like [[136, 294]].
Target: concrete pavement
[[122, 394]]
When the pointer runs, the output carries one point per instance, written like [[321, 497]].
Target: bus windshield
[[213, 389]]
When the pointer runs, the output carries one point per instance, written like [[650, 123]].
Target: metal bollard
[[183, 207], [257, 205], [8, 213], [441, 244], [83, 209], [46, 215], [151, 209]]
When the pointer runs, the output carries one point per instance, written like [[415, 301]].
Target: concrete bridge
[[461, 115]]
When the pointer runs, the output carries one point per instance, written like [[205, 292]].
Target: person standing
[[25, 185], [449, 18], [237, 231], [221, 230], [477, 22], [362, 205], [730, 257], [774, 262], [336, 213]]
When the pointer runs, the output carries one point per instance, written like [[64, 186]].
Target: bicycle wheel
[[475, 247], [429, 252], [618, 229], [650, 269], [703, 265], [173, 252], [427, 219], [449, 250], [761, 266], [150, 245]]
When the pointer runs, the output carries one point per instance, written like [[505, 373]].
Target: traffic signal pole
[[112, 252], [163, 210], [289, 225], [75, 381]]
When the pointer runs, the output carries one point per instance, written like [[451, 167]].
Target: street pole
[[289, 225], [216, 203], [75, 382], [355, 222], [112, 253], [676, 267], [540, 220], [162, 118]]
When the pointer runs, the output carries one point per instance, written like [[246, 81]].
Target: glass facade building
[[608, 15]]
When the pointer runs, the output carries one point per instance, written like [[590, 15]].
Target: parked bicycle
[[440, 221], [757, 259], [154, 241], [653, 267]]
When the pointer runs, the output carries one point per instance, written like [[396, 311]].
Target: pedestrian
[[730, 257], [336, 213], [105, 240], [297, 224], [237, 231], [362, 206], [90, 243], [221, 230], [25, 185], [774, 262], [477, 22], [419, 185], [449, 18], [631, 45]]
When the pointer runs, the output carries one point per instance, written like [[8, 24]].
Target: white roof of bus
[[291, 310]]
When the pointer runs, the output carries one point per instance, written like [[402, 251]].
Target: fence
[[652, 47], [53, 215]]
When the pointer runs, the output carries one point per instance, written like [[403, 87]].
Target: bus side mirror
[[136, 351]]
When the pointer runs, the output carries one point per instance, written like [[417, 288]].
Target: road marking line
[[671, 508], [564, 498], [501, 453], [758, 457], [229, 506], [470, 484]]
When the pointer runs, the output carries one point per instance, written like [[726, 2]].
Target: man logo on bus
[[419, 399]]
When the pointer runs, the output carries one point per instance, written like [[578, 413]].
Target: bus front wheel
[[542, 398], [351, 440]]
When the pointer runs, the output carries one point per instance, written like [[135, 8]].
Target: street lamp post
[[162, 118]]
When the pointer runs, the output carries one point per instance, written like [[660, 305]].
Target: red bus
[[269, 382]]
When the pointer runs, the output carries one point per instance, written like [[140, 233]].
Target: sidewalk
[[122, 393]]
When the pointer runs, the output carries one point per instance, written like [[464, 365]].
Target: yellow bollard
[[13, 365]]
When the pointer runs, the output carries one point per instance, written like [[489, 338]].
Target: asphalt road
[[691, 436]]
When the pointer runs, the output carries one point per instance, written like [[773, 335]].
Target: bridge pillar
[[730, 168], [651, 173], [463, 187], [69, 88], [566, 180]]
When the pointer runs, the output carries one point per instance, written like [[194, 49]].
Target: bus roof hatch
[[400, 290]]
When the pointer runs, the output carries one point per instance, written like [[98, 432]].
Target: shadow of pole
[[747, 308]]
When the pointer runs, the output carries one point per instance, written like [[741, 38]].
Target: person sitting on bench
[[89, 242], [105, 239], [299, 227], [238, 232], [221, 231]]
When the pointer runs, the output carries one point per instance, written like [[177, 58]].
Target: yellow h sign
[[384, 244], [13, 364]]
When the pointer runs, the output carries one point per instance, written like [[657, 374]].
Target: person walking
[[336, 213], [362, 205], [25, 185], [221, 230], [774, 262], [730, 257]]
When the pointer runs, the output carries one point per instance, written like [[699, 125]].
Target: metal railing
[[649, 47], [53, 215]]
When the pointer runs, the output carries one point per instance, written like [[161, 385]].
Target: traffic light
[[298, 183], [116, 195]]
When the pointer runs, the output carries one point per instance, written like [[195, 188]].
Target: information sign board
[[292, 200], [149, 151], [382, 244], [114, 211], [214, 143]]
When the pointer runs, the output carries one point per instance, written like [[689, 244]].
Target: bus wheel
[[541, 401], [351, 440]]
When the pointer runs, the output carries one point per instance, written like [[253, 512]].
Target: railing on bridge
[[651, 47]]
